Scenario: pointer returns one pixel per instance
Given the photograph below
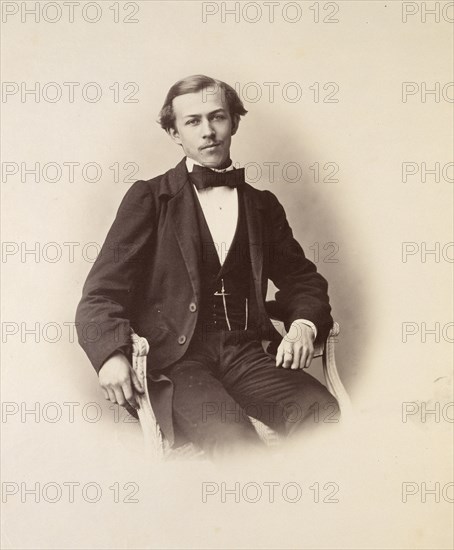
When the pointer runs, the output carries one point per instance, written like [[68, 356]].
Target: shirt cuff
[[309, 324]]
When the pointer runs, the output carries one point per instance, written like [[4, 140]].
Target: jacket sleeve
[[302, 291], [102, 321]]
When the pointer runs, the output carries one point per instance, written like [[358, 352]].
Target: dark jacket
[[146, 275]]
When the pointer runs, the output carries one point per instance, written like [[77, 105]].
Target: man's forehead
[[199, 103]]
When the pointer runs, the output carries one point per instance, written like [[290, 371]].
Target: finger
[[303, 358], [111, 395], [279, 356], [297, 350], [309, 358], [136, 382], [129, 394], [288, 358], [119, 396], [106, 393]]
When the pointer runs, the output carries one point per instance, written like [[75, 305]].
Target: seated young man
[[186, 265]]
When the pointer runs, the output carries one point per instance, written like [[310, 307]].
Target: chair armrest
[[140, 349], [153, 438]]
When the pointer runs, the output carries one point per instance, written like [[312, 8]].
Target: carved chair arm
[[154, 443]]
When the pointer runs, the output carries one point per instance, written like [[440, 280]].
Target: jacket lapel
[[182, 215], [253, 205]]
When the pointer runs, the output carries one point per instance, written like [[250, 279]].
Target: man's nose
[[207, 128]]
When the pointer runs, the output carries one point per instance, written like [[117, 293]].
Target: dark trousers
[[226, 376]]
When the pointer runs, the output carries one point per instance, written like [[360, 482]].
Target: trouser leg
[[286, 400], [203, 410]]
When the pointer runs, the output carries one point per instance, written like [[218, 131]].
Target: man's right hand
[[119, 381]]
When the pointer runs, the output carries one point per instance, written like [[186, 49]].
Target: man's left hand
[[296, 350]]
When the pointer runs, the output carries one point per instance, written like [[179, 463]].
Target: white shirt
[[220, 208]]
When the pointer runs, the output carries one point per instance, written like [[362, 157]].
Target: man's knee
[[317, 407]]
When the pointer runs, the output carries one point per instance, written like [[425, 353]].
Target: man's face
[[203, 127]]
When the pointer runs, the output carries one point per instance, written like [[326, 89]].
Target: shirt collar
[[190, 165]]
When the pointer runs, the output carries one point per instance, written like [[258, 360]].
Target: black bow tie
[[203, 177]]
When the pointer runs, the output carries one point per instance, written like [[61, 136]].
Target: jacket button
[[181, 339], [192, 307]]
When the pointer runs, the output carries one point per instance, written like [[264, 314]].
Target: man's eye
[[191, 122], [219, 117]]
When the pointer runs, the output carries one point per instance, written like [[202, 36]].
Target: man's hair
[[193, 84]]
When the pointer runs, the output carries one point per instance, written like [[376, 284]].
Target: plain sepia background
[[353, 95]]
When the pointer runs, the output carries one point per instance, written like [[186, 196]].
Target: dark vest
[[235, 274]]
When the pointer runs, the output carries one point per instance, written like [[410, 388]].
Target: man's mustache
[[210, 145]]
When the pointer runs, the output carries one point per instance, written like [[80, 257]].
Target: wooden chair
[[156, 446]]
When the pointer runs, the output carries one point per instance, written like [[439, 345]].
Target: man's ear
[[235, 124], [174, 135]]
